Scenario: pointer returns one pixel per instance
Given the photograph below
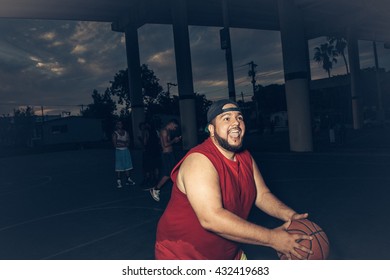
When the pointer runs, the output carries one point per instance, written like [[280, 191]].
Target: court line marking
[[326, 178], [333, 162], [85, 208], [98, 239], [45, 180], [73, 211]]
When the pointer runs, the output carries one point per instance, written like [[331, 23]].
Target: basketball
[[319, 245]]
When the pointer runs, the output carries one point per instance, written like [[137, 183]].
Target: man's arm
[[165, 139], [127, 142], [198, 179], [114, 139]]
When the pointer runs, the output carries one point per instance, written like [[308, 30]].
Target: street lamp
[[169, 86]]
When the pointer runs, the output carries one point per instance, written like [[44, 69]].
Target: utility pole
[[252, 73]]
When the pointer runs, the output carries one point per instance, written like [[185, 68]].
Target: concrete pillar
[[184, 73], [228, 51], [296, 74], [135, 84], [354, 66], [381, 112]]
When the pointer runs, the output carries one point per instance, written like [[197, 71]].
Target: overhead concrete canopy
[[369, 19]]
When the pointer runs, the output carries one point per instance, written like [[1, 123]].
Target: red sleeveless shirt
[[179, 233]]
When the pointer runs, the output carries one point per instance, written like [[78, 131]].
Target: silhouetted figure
[[123, 161], [151, 153], [168, 159]]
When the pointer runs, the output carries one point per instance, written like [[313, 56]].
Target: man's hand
[[297, 216], [287, 243]]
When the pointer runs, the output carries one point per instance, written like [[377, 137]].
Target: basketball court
[[64, 205]]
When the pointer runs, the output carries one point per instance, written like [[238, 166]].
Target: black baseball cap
[[217, 108]]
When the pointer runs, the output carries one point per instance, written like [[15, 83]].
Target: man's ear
[[211, 128]]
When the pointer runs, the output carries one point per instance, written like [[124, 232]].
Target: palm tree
[[325, 54], [340, 44]]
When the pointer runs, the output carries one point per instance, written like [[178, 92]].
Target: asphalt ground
[[65, 205]]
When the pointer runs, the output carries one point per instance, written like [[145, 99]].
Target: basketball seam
[[313, 233], [326, 240], [300, 240]]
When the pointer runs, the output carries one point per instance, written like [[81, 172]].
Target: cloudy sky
[[56, 65]]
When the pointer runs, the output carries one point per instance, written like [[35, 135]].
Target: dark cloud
[[208, 60], [58, 64], [54, 63]]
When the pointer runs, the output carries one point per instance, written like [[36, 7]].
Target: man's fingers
[[297, 255], [307, 237], [304, 249], [301, 247]]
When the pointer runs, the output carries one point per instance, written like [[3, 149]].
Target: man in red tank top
[[214, 188]]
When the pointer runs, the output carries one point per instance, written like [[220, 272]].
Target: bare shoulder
[[196, 170], [163, 131], [196, 160], [196, 165]]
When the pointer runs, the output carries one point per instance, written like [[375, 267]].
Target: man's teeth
[[235, 133]]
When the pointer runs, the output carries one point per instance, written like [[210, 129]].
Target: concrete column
[[296, 74], [184, 73], [354, 66], [381, 112], [228, 51], [135, 84]]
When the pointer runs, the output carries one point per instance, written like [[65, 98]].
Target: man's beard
[[225, 144]]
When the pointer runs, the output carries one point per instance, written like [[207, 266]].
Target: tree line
[[114, 103]]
